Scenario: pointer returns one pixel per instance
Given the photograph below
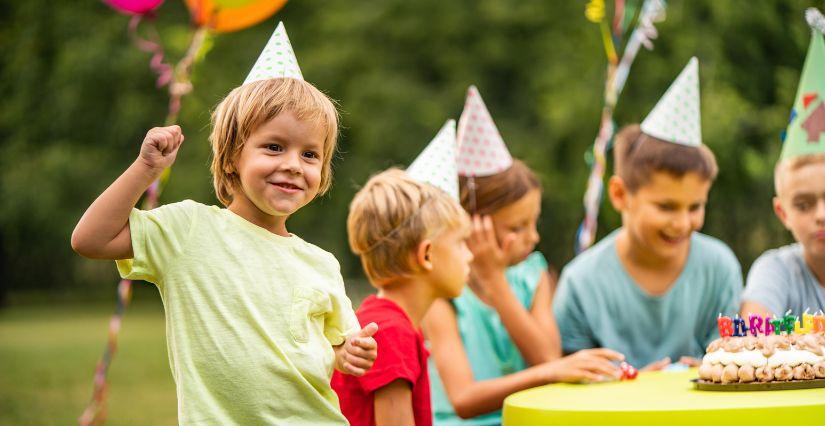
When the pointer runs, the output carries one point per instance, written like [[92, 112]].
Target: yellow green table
[[661, 398]]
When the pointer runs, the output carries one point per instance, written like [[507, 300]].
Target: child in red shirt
[[411, 240]]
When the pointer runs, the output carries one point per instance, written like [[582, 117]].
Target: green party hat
[[806, 128], [676, 117], [276, 60]]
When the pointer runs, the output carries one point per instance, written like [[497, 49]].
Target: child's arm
[[358, 352], [103, 231], [534, 332], [750, 307], [393, 404], [470, 397]]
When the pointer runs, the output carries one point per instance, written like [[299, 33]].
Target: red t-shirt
[[401, 355]]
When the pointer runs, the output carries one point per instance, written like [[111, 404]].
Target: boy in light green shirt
[[256, 318]]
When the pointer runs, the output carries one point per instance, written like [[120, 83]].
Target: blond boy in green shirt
[[256, 318]]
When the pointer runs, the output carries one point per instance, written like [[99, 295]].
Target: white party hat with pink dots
[[436, 164], [676, 117], [481, 150], [276, 60]]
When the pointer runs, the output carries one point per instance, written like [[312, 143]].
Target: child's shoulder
[[785, 257], [588, 262], [711, 251], [315, 251], [391, 319]]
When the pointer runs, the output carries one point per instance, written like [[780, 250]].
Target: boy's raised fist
[[160, 146]]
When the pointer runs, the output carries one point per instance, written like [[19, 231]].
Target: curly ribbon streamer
[[153, 46], [652, 11]]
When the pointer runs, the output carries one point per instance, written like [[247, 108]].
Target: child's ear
[[617, 191], [780, 211], [423, 255]]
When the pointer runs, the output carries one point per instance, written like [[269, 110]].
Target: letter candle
[[769, 328], [725, 326], [755, 324], [805, 324], [739, 327], [776, 325], [819, 323], [788, 322]]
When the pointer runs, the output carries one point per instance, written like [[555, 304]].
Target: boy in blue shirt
[[653, 288], [793, 277]]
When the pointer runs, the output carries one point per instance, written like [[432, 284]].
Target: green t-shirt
[[598, 304], [251, 316]]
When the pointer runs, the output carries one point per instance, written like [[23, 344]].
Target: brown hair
[[638, 156], [487, 194], [247, 107], [791, 164], [391, 215]]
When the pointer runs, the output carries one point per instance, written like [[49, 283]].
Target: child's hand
[[160, 147], [657, 365], [358, 353], [489, 258], [588, 365], [690, 361]]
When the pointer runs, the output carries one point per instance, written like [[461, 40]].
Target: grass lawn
[[48, 355]]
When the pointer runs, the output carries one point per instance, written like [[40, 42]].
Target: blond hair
[[637, 156], [391, 215], [245, 108], [780, 172]]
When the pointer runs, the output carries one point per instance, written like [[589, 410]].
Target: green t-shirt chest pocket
[[309, 306]]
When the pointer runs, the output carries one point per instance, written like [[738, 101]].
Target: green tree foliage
[[77, 99]]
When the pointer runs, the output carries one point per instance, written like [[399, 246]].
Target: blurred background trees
[[77, 98]]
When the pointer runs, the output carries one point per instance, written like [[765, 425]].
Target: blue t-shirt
[[486, 341], [598, 304], [780, 280]]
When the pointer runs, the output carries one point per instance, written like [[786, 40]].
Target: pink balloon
[[134, 7]]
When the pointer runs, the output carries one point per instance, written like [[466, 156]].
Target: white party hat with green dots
[[676, 117], [436, 165], [481, 149], [276, 60]]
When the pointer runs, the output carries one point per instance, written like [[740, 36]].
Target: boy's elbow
[[78, 244], [82, 245]]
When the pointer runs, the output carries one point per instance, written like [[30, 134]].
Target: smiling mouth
[[287, 187], [672, 240]]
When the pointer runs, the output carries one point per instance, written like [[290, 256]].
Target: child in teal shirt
[[653, 288], [499, 336]]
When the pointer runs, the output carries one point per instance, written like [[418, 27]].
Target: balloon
[[134, 7], [231, 15]]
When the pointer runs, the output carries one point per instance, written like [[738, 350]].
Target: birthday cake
[[770, 350]]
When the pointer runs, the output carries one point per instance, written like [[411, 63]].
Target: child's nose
[[291, 162], [820, 210]]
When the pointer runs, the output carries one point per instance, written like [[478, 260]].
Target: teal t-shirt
[[489, 348], [598, 304]]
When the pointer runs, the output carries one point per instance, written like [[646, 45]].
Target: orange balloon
[[232, 15]]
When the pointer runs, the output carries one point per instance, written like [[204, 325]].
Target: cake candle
[[755, 324]]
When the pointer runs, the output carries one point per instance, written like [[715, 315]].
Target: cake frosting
[[764, 359]]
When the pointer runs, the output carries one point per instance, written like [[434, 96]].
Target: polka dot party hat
[[676, 118], [276, 60], [436, 165], [481, 150]]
